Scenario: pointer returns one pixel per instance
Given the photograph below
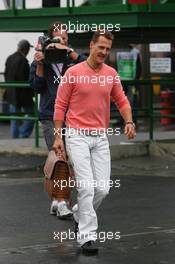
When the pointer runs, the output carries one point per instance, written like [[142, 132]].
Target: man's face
[[63, 34], [100, 50]]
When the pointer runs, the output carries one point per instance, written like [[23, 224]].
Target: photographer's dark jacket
[[47, 86], [17, 70]]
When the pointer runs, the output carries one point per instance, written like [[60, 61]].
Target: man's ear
[[91, 44]]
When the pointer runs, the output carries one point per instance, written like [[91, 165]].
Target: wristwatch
[[130, 122], [70, 51]]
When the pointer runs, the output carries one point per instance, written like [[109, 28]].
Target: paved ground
[[142, 210]]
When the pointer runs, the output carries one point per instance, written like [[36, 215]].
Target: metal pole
[[68, 3], [23, 4], [151, 119], [13, 6], [69, 6], [149, 5], [36, 122]]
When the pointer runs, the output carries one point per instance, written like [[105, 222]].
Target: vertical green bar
[[126, 4], [68, 3], [149, 5], [36, 122], [23, 4], [69, 6], [73, 3], [13, 6], [151, 118]]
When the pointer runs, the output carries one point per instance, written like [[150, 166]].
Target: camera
[[52, 54]]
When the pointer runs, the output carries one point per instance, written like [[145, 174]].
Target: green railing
[[149, 111], [125, 3], [130, 16], [71, 3], [144, 112], [22, 116]]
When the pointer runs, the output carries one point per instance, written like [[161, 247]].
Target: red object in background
[[167, 100], [141, 1]]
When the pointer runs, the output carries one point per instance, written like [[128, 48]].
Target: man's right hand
[[59, 145], [39, 56]]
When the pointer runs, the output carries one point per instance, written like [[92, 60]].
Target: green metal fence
[[130, 16], [22, 116], [71, 3], [149, 110], [144, 112], [123, 4]]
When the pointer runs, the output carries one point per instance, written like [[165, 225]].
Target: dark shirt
[[47, 86], [17, 70]]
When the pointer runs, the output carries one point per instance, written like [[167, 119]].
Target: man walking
[[88, 109]]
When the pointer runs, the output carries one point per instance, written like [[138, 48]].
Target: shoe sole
[[65, 217], [90, 251]]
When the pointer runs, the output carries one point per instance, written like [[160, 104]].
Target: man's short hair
[[106, 34], [55, 26]]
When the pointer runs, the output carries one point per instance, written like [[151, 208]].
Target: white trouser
[[90, 158]]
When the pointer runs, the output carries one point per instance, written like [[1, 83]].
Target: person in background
[[44, 78], [20, 99]]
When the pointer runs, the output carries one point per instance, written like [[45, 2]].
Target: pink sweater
[[87, 100]]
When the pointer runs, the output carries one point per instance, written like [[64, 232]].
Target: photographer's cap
[[24, 44]]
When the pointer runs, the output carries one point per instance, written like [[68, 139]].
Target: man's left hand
[[130, 131]]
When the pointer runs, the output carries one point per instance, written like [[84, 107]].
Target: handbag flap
[[51, 161]]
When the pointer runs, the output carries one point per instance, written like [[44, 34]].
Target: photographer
[[45, 75]]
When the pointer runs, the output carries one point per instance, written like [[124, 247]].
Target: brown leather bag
[[57, 175]]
